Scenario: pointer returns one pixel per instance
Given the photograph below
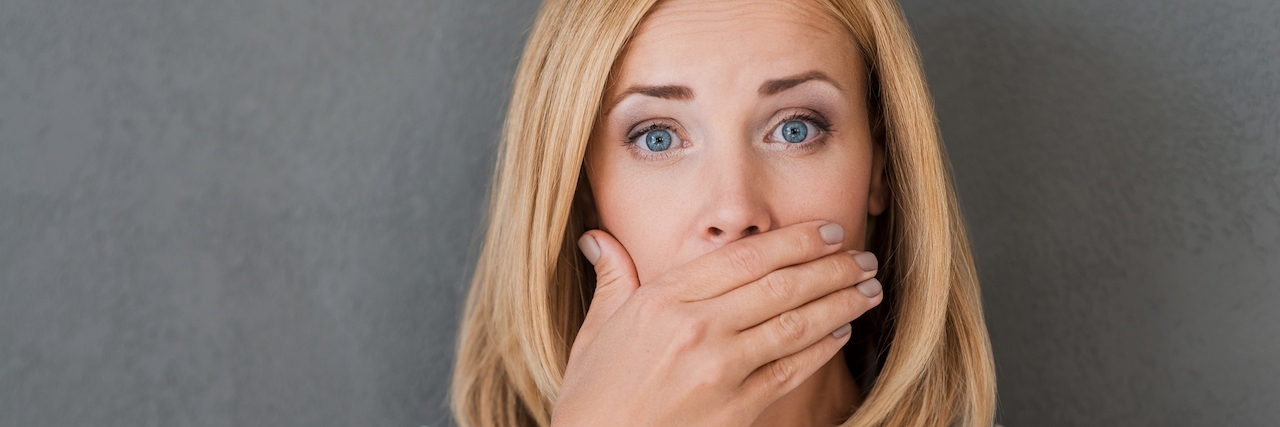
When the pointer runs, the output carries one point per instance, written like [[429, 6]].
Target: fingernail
[[831, 233], [866, 260], [870, 287], [842, 331], [589, 248]]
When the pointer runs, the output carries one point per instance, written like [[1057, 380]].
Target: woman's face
[[729, 118]]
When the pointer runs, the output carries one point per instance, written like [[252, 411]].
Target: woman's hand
[[715, 341]]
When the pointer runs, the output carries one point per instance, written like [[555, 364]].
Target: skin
[[716, 294]]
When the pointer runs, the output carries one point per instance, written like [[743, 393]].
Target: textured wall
[[260, 212], [1119, 163], [241, 212]]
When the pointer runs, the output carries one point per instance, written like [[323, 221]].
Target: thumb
[[616, 281]]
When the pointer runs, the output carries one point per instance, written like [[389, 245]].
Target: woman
[[687, 213]]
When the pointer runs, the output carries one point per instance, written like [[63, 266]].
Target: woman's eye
[[794, 131], [657, 140]]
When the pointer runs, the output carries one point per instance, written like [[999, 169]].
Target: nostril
[[716, 231], [750, 231]]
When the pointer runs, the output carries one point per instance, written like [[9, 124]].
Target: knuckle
[[722, 369], [689, 334], [746, 258], [649, 305], [782, 371], [703, 379], [808, 241], [605, 274], [791, 327], [844, 267], [779, 286], [713, 373], [853, 303]]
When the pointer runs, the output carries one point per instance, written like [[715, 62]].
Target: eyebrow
[[773, 87], [684, 93], [679, 93], [674, 92]]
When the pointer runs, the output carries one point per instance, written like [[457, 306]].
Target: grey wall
[[1119, 163], [241, 212], [261, 212]]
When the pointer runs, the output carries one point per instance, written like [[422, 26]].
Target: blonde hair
[[531, 287]]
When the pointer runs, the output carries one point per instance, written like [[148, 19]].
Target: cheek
[[829, 190], [648, 225], [645, 213]]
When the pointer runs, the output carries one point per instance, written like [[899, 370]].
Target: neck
[[826, 399]]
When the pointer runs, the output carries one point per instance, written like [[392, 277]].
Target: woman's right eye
[[657, 140]]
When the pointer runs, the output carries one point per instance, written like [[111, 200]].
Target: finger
[[791, 287], [753, 257], [795, 330], [615, 282], [779, 377]]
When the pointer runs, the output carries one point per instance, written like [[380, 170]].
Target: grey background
[[262, 212]]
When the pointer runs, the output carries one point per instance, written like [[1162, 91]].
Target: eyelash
[[824, 128], [631, 138]]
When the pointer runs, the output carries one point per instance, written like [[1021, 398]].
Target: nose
[[736, 205]]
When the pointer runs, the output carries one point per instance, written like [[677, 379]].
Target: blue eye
[[649, 140], [794, 131], [658, 140]]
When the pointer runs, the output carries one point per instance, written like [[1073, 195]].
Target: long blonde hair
[[531, 287]]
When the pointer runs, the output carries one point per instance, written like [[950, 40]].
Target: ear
[[878, 196]]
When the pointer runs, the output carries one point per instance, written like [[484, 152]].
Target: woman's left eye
[[795, 131]]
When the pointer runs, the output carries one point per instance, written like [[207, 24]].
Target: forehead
[[737, 42]]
